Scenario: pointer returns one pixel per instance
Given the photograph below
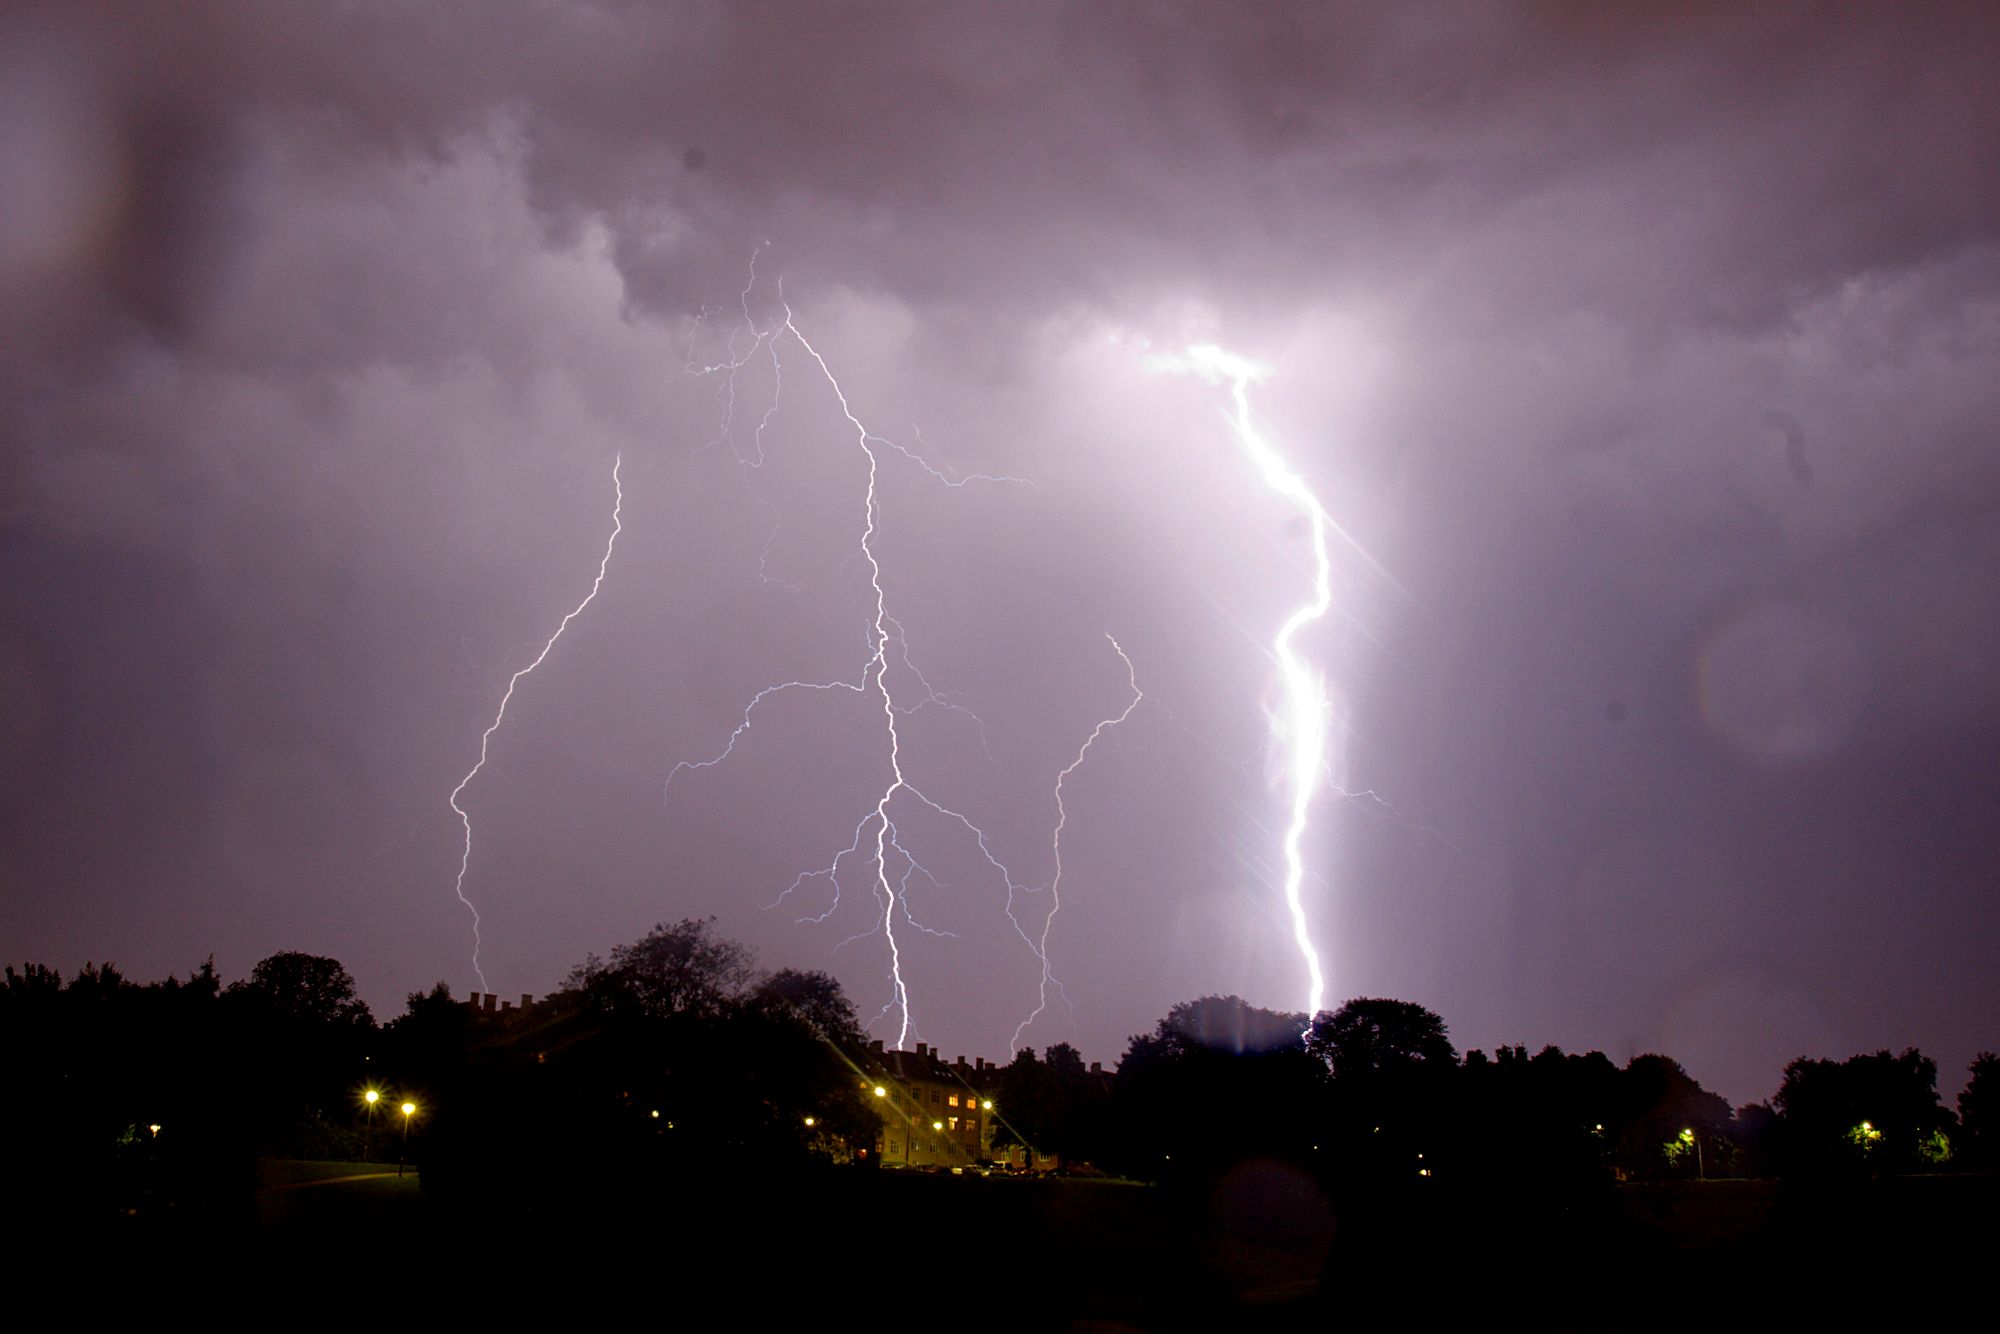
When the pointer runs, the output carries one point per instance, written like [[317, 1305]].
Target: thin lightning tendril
[[499, 716], [878, 666], [876, 834], [1062, 820]]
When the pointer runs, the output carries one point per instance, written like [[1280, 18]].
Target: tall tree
[[1979, 1111], [305, 988], [683, 969], [1668, 1123], [1370, 1036], [1217, 1081], [1873, 1112]]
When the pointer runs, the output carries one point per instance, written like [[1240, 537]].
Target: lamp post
[[409, 1109], [371, 1097], [1689, 1137]]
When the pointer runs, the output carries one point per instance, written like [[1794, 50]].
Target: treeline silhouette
[[676, 1061]]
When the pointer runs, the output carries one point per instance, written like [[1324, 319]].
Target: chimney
[[923, 1049], [1097, 1067], [979, 1062], [490, 998], [473, 1000], [960, 1063], [506, 1006], [876, 1046], [526, 1000]]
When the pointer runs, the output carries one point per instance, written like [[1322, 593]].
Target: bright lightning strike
[[1062, 820], [1301, 724], [876, 835], [878, 667], [486, 737]]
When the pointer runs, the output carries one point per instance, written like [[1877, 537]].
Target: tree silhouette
[[306, 989], [1871, 1113], [1372, 1037], [1979, 1111], [1217, 1081], [1664, 1114], [683, 969]]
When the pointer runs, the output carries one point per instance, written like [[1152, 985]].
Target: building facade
[[933, 1113]]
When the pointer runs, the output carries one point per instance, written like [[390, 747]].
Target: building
[[933, 1113]]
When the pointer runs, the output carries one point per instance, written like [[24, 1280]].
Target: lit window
[[953, 1100]]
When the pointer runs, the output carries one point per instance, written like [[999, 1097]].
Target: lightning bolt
[[876, 835], [1062, 821], [500, 715], [1301, 724]]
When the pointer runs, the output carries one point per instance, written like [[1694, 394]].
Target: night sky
[[1648, 353]]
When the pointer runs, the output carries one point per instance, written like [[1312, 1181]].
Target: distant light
[[1865, 1125], [371, 1097], [1688, 1135], [986, 1106], [155, 1128], [409, 1109], [937, 1125], [656, 1114], [810, 1121], [881, 1092]]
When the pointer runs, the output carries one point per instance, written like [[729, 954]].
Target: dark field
[[1259, 1249]]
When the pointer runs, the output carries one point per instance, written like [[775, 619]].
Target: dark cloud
[[1648, 350]]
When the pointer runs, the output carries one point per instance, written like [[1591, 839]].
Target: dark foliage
[[1867, 1115], [667, 1066], [1055, 1106], [1979, 1113], [674, 1069], [1216, 1081]]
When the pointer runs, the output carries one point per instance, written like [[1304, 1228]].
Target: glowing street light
[[371, 1097], [881, 1092], [1688, 1137], [408, 1109]]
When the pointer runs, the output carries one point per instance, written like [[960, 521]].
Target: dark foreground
[[1259, 1248]]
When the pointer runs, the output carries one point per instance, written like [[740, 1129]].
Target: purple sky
[[1651, 354]]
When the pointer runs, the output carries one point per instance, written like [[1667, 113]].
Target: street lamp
[[371, 1097], [409, 1109], [1688, 1137]]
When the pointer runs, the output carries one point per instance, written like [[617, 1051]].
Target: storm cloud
[[1647, 352]]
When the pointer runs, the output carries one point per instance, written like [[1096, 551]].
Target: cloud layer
[[1649, 354]]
